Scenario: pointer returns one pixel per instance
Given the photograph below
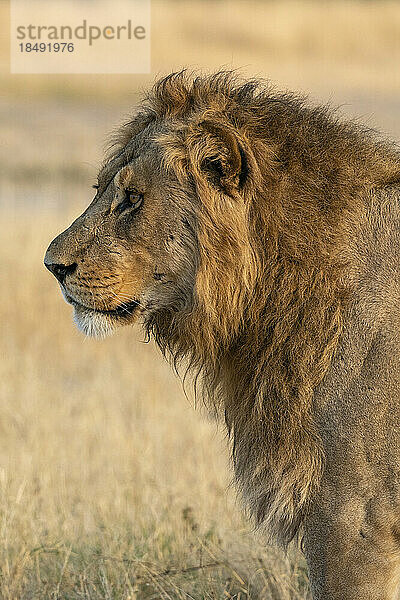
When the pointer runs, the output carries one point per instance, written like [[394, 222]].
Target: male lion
[[258, 239]]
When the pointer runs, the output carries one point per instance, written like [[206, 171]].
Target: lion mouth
[[124, 310]]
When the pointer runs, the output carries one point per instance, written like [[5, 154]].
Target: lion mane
[[280, 187]]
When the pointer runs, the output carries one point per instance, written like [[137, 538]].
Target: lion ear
[[224, 161]]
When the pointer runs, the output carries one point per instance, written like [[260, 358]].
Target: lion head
[[221, 218]]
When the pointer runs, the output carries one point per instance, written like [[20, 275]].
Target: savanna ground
[[111, 485]]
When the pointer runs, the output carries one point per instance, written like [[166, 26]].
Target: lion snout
[[57, 261], [59, 271]]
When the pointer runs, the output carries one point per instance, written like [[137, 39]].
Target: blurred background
[[111, 485]]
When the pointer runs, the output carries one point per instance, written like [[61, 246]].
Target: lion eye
[[131, 202], [134, 198]]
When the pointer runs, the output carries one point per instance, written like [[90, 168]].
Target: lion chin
[[94, 324]]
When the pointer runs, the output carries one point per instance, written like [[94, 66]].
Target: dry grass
[[111, 486]]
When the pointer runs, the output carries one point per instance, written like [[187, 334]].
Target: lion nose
[[60, 271]]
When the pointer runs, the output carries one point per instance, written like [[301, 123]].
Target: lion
[[257, 239]]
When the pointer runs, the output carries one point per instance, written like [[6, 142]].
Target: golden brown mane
[[273, 266]]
